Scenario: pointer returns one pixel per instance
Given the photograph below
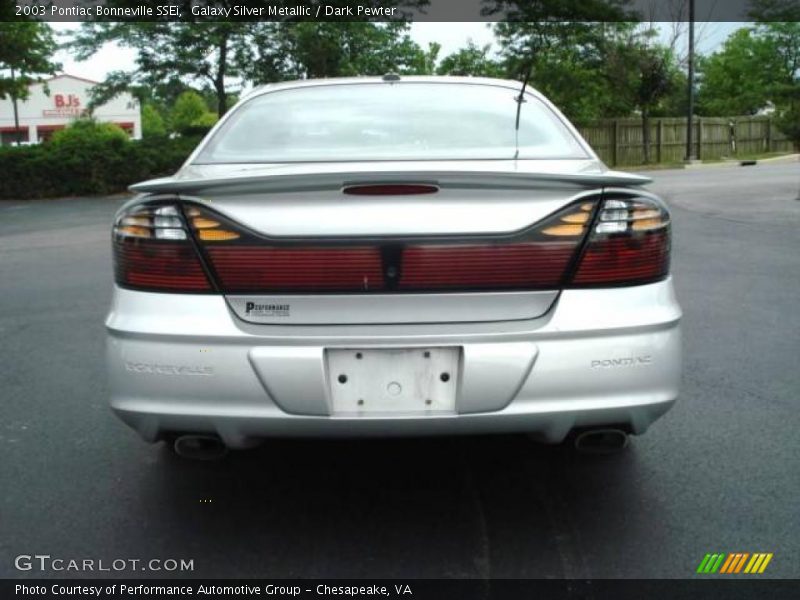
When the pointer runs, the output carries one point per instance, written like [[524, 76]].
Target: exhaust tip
[[601, 441], [200, 447]]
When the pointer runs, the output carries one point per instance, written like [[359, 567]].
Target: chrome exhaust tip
[[200, 447], [601, 441]]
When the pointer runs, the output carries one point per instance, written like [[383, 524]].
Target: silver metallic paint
[[349, 309], [530, 376]]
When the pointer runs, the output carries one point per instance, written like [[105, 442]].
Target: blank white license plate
[[395, 380]]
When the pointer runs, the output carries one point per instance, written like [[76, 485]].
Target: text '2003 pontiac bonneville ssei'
[[392, 256]]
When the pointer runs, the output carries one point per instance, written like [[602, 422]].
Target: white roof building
[[40, 115]]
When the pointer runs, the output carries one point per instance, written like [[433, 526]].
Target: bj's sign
[[65, 105]]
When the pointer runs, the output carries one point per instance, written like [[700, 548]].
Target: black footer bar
[[410, 589]]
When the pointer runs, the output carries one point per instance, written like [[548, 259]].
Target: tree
[[188, 52], [534, 28], [198, 52], [162, 95], [784, 39], [310, 49], [758, 66], [563, 46], [26, 50], [644, 73], [568, 62], [471, 60], [736, 80], [779, 24], [424, 61]]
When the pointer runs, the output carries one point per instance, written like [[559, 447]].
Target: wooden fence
[[620, 141]]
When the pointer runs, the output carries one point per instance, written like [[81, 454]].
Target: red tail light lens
[[630, 245], [245, 268], [166, 248], [153, 252], [540, 261], [527, 265], [390, 189], [247, 263], [243, 262]]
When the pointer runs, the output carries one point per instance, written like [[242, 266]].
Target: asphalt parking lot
[[719, 473]]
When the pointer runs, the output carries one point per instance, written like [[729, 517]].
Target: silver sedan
[[392, 256]]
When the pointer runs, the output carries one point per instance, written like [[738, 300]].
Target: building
[[67, 97]]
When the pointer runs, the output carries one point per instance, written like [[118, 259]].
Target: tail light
[[192, 249], [538, 258], [243, 262], [305, 269], [390, 189], [630, 244], [153, 252]]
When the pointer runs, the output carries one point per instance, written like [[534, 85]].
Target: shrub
[[88, 158], [89, 154], [86, 132], [190, 115], [152, 122], [200, 126]]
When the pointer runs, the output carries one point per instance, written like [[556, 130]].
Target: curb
[[778, 159], [745, 163]]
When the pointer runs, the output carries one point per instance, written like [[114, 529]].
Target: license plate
[[396, 380]]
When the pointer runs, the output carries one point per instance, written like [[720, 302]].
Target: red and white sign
[[66, 105]]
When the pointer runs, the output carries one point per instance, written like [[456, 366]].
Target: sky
[[451, 36]]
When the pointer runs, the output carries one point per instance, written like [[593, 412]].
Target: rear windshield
[[382, 121]]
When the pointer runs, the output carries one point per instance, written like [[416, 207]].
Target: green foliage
[[26, 48], [212, 52], [568, 61], [218, 53], [423, 61], [756, 66], [87, 132], [201, 125], [655, 76], [472, 60], [190, 115], [643, 74], [310, 49], [589, 69], [577, 87], [788, 121], [84, 149], [152, 122], [88, 164], [736, 79]]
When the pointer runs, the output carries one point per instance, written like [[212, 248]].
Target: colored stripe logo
[[734, 562]]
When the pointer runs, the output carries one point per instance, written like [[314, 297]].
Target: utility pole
[[690, 112], [14, 102]]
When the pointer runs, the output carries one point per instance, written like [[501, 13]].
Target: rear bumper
[[184, 363]]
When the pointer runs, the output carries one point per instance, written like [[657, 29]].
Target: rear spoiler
[[309, 176]]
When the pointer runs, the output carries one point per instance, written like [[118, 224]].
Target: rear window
[[383, 121]]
